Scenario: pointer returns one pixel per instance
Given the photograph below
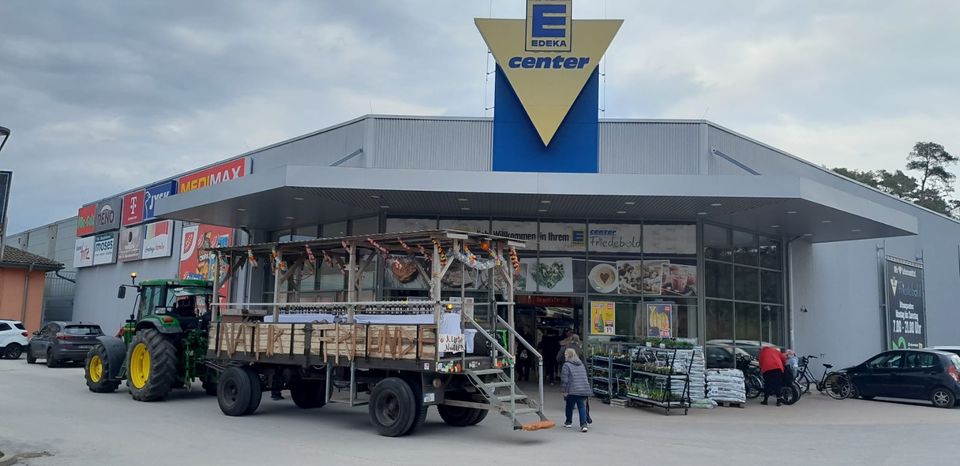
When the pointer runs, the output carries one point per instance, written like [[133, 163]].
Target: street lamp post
[[5, 132]]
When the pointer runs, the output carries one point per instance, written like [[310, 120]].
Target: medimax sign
[[546, 100]]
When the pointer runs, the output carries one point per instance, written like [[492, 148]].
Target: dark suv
[[62, 341], [912, 374]]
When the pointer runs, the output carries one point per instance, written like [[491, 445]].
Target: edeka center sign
[[546, 101]]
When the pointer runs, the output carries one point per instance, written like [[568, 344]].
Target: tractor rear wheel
[[151, 366], [97, 371], [308, 394], [239, 391]]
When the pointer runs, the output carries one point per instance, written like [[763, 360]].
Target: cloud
[[104, 95]]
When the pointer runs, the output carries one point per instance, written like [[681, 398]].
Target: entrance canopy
[[294, 195]]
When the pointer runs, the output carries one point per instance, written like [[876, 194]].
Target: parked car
[[911, 374], [13, 339], [62, 341]]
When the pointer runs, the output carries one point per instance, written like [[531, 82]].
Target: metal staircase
[[499, 387]]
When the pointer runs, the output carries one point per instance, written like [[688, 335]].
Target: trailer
[[397, 357]]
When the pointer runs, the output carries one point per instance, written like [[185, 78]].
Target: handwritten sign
[[452, 343]]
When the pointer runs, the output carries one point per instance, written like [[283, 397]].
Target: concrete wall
[[12, 282]]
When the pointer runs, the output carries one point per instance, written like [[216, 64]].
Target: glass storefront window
[[719, 280], [747, 317], [365, 226], [334, 230], [716, 243], [745, 249], [772, 324], [770, 253], [771, 287], [746, 284]]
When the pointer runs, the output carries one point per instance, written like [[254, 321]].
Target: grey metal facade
[[834, 289]]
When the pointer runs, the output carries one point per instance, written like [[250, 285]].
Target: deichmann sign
[[86, 218], [222, 173], [108, 215], [104, 249], [906, 312], [548, 58]]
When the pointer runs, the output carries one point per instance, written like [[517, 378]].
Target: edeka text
[[556, 63]]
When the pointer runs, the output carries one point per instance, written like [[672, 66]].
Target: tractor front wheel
[[151, 366], [97, 371]]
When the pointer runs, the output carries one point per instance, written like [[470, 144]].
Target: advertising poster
[[640, 277], [906, 310], [154, 193], [83, 252], [679, 280], [222, 173], [132, 208], [105, 249], [623, 239], [158, 239], [86, 217], [566, 237], [549, 275], [196, 262], [603, 316], [520, 231], [659, 317], [108, 215], [131, 244], [670, 239]]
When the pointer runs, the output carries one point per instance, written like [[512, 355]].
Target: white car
[[949, 349], [13, 339]]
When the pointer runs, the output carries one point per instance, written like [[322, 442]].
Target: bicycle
[[836, 384], [753, 383]]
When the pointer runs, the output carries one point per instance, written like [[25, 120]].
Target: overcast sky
[[104, 95]]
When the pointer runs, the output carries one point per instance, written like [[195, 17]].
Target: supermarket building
[[735, 241]]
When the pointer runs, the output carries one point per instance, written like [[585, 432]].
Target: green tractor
[[161, 346]]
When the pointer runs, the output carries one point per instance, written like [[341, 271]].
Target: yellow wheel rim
[[140, 365], [95, 368]]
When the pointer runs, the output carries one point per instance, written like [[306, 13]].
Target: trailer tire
[[393, 408], [308, 394], [461, 417], [235, 391]]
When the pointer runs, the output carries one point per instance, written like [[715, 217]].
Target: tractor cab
[[170, 304]]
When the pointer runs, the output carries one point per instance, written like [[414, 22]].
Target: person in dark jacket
[[771, 367], [549, 346], [575, 388]]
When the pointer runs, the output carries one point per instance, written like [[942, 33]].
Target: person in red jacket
[[772, 367]]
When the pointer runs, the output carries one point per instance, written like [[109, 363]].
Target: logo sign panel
[[158, 240], [108, 215], [549, 26], [222, 173], [154, 193], [906, 308], [131, 244], [83, 252], [86, 220], [105, 248], [132, 208], [542, 62]]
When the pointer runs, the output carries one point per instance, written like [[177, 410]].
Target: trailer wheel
[[97, 371], [461, 417], [393, 408], [238, 392], [308, 394]]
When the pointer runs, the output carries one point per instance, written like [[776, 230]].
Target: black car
[[62, 341], [912, 374]]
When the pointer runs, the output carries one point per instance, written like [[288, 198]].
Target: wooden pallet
[[731, 404]]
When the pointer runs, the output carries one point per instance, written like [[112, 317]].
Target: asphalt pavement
[[49, 414]]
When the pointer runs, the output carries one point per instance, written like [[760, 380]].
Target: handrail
[[488, 336], [532, 350]]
